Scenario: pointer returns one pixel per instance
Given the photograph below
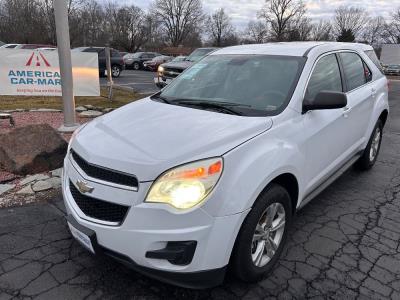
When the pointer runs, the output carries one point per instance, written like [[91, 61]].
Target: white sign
[[37, 73]]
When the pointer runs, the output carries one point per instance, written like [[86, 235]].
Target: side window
[[354, 70], [371, 54], [325, 77]]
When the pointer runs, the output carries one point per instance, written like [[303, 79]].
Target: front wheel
[[263, 234], [370, 154]]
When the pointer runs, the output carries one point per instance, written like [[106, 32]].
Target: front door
[[326, 131]]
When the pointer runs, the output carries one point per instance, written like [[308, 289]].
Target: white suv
[[211, 170]]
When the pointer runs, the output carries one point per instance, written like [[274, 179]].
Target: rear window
[[372, 55]]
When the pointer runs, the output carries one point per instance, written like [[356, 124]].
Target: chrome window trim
[[336, 52]]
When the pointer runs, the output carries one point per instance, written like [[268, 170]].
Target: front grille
[[98, 209], [105, 174], [171, 72]]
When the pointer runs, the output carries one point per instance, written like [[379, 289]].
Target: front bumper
[[150, 227]]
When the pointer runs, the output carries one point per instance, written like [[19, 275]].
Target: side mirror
[[325, 100]]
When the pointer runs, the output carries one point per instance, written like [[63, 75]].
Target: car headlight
[[188, 185], [160, 69]]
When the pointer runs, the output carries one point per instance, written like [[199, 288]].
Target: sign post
[[109, 74], [64, 54]]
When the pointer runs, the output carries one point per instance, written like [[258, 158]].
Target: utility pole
[[64, 56]]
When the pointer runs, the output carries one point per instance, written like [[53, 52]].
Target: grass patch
[[120, 98]]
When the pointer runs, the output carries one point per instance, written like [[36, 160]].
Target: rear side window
[[372, 55], [354, 70], [325, 77], [115, 53]]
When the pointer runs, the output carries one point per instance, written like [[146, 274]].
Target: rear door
[[360, 92]]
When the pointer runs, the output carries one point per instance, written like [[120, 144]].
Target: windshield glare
[[198, 54], [260, 82]]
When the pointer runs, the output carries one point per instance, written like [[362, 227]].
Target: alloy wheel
[[375, 145], [115, 71], [268, 234]]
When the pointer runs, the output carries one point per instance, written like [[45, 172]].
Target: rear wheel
[[263, 234], [370, 154], [136, 66], [115, 71]]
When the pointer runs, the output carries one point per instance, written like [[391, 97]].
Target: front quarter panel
[[250, 167]]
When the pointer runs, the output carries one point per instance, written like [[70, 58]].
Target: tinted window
[[325, 77], [372, 55], [115, 53], [354, 71]]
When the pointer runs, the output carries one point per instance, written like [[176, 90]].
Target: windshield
[[198, 54], [262, 84], [137, 55]]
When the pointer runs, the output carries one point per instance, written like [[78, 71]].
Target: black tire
[[116, 71], [242, 262], [367, 161], [136, 66]]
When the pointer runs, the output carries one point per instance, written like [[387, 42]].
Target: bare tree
[[21, 21], [178, 18], [391, 31], [279, 14], [349, 20], [299, 29], [322, 31], [373, 31], [219, 27], [256, 32], [126, 26]]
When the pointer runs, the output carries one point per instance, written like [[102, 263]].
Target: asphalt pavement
[[343, 245], [140, 81]]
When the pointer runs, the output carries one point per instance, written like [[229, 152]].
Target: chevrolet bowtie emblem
[[84, 187]]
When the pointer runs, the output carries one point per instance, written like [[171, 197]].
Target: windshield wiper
[[163, 99], [226, 107]]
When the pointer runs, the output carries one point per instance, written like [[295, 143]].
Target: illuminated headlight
[[186, 186], [160, 69]]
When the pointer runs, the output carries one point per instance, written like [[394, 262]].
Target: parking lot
[[344, 245], [140, 81]]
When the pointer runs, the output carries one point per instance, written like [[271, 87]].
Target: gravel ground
[[54, 119]]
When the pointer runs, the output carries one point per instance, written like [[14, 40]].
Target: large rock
[[32, 149]]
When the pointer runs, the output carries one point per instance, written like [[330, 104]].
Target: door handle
[[346, 111]]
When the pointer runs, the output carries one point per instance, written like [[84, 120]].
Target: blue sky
[[241, 11]]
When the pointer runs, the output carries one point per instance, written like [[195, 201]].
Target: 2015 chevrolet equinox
[[210, 171]]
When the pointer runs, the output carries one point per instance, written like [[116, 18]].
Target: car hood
[[146, 138], [182, 65]]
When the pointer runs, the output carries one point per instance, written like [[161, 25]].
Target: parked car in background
[[392, 70], [117, 62], [153, 64], [208, 174], [136, 60], [167, 72], [9, 46], [47, 49], [32, 46]]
